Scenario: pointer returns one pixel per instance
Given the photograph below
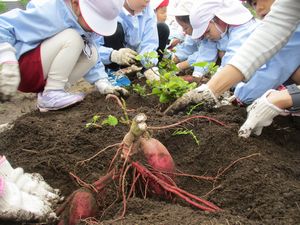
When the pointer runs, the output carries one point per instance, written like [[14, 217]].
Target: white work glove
[[195, 96], [105, 87], [260, 114], [20, 206], [31, 183], [123, 56], [152, 74], [9, 80]]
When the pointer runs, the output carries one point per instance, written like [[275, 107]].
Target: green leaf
[[153, 54], [139, 57], [111, 121]]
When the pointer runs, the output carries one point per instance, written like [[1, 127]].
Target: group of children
[[54, 43]]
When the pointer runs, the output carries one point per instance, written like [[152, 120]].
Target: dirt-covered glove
[[18, 205], [123, 56], [32, 183], [152, 74], [9, 80], [260, 114], [105, 87], [195, 96]]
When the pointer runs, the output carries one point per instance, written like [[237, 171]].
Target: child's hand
[[123, 56], [105, 87], [9, 80]]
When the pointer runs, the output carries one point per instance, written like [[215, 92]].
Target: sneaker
[[57, 99]]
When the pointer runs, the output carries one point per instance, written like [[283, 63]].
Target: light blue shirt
[[230, 43], [187, 50], [140, 32], [26, 29], [274, 73]]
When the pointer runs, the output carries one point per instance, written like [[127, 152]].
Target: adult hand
[[9, 80], [123, 56], [105, 87], [21, 206], [152, 74], [260, 114], [197, 95]]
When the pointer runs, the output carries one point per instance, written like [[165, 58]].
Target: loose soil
[[261, 189]]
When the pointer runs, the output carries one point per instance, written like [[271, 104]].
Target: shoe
[[57, 99]]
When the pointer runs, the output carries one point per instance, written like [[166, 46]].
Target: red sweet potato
[[159, 158], [82, 205]]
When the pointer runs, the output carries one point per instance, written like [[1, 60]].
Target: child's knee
[[73, 38]]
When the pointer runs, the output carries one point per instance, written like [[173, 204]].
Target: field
[[257, 179]]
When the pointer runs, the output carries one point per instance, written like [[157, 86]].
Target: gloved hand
[[152, 74], [199, 94], [9, 80], [105, 87], [260, 114], [123, 56], [19, 205], [31, 183]]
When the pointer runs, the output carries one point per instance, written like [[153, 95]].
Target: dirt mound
[[262, 187]]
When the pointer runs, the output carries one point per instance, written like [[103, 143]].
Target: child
[[186, 53], [227, 23], [136, 34], [49, 45], [160, 9], [24, 196]]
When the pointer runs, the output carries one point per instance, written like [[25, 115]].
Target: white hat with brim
[[181, 8], [101, 15], [231, 12]]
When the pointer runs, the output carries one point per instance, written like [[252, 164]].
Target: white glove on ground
[[9, 80], [18, 205], [152, 74], [123, 56], [260, 114], [31, 183], [195, 96], [105, 87]]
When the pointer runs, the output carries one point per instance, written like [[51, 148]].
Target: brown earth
[[261, 189]]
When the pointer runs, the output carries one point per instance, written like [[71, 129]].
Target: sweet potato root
[[81, 205]]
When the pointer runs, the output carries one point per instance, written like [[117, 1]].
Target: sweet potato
[[82, 205], [159, 158]]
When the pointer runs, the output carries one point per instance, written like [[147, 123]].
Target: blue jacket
[[140, 32], [26, 29]]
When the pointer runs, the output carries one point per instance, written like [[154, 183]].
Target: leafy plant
[[147, 58], [110, 120], [169, 87], [141, 90], [210, 67], [94, 122], [187, 132], [3, 7]]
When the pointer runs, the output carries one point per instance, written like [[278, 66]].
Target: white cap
[[181, 8], [101, 15], [231, 12]]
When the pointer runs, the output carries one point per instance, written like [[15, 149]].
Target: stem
[[188, 119]]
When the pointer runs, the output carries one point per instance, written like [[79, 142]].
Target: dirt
[[262, 187]]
